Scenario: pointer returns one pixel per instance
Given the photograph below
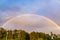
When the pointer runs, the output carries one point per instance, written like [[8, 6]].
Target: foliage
[[23, 35]]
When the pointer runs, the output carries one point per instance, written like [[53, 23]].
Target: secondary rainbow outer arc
[[31, 14]]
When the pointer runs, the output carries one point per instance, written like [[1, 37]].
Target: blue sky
[[48, 8]]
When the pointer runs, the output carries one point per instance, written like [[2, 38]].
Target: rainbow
[[28, 15]]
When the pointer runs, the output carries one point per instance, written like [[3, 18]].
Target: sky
[[47, 8]]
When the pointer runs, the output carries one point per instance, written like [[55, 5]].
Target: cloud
[[32, 22], [48, 8]]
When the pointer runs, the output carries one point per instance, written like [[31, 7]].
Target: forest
[[23, 35]]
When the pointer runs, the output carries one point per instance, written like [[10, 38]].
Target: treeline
[[23, 35]]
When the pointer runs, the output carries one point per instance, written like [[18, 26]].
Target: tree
[[15, 34], [9, 35], [2, 33], [23, 35], [34, 36]]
